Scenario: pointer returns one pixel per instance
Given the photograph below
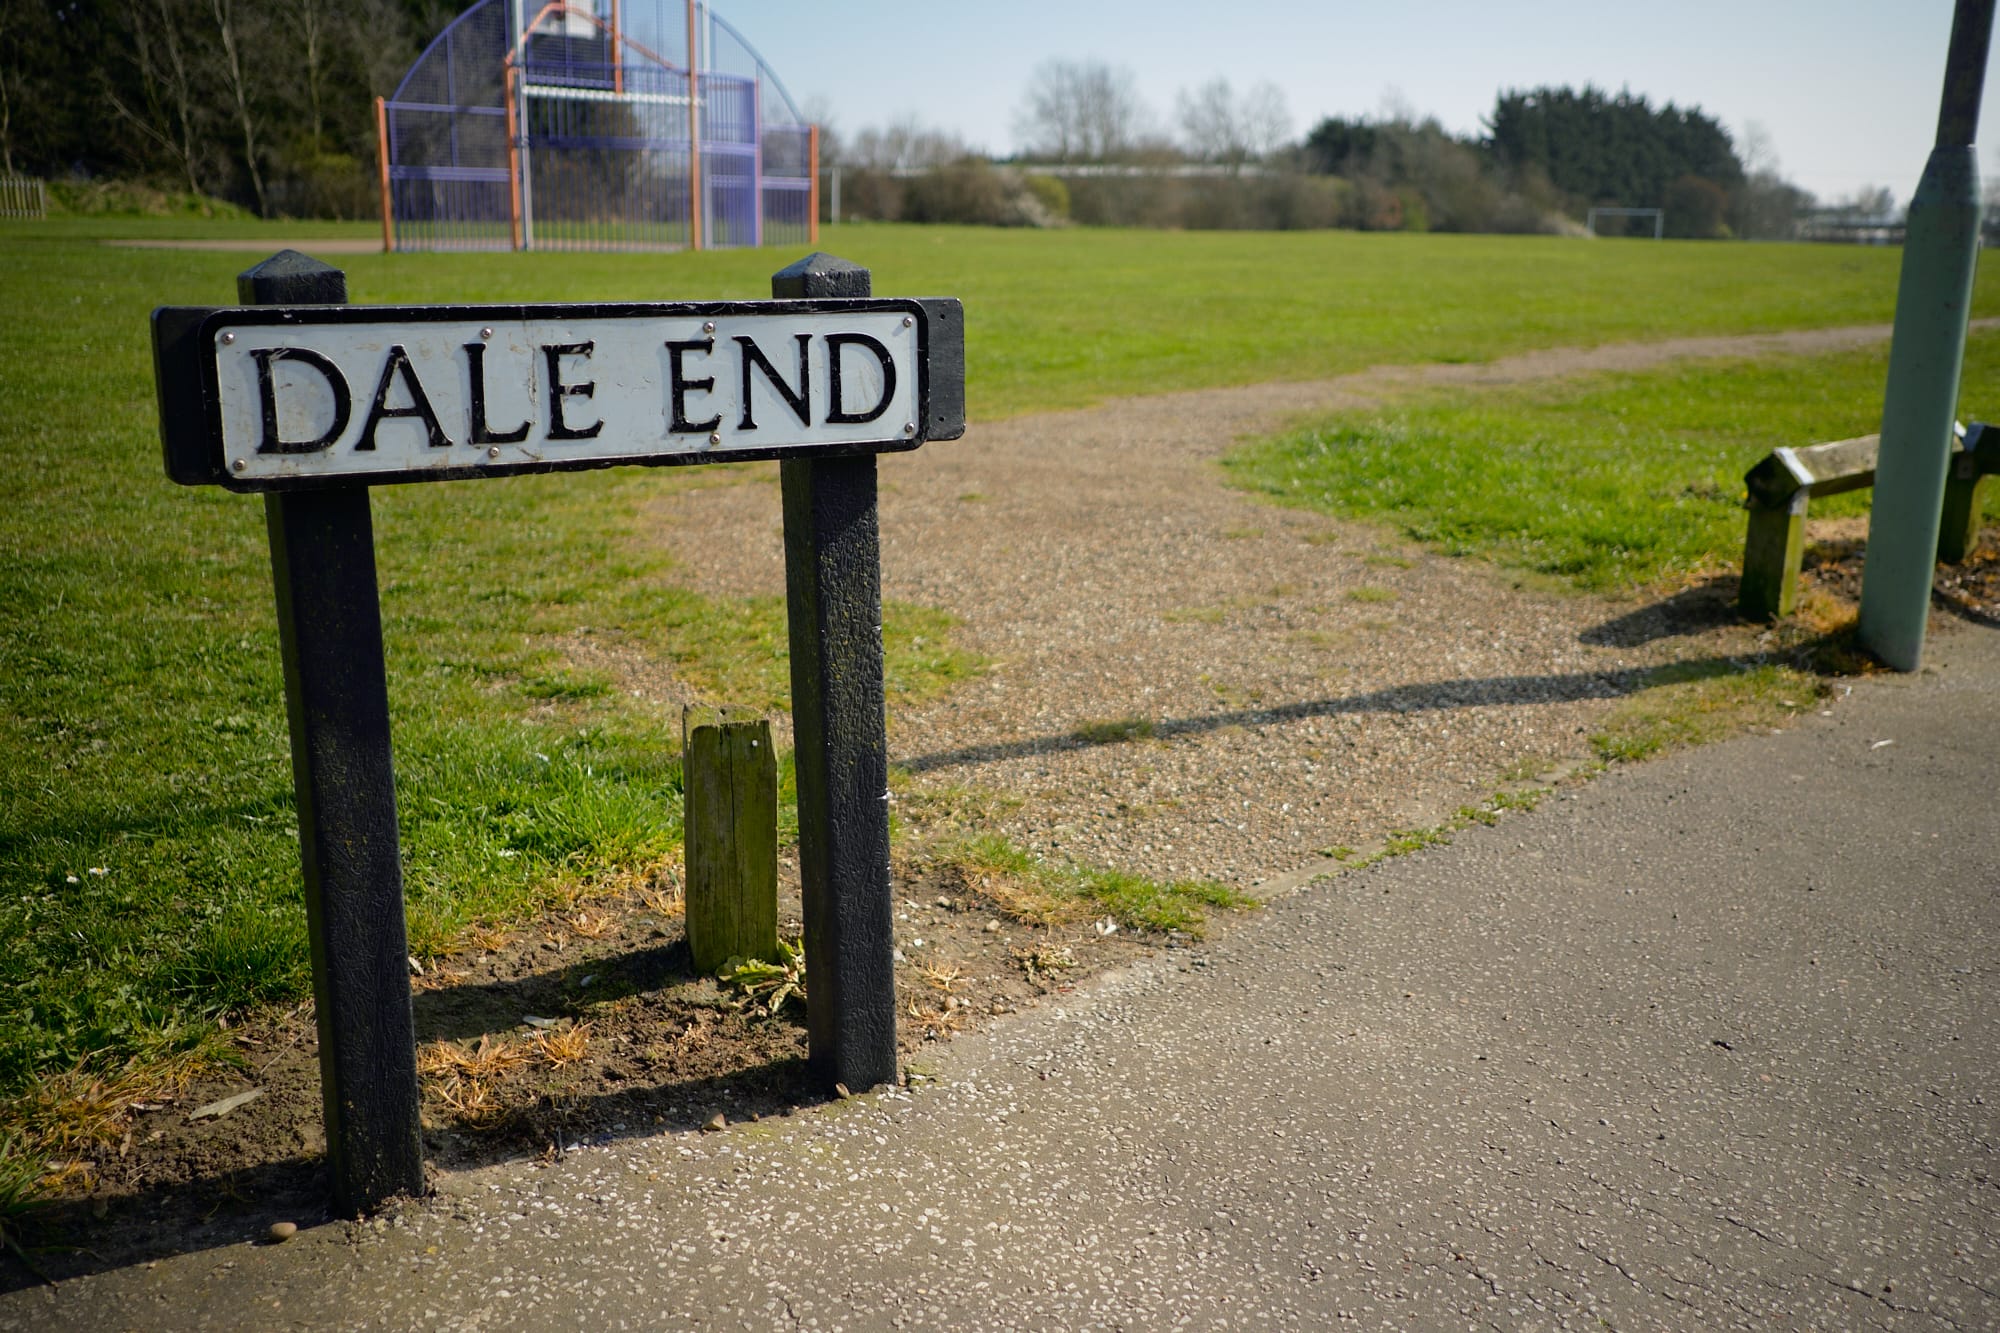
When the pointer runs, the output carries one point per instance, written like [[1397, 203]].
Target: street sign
[[313, 401], [266, 398]]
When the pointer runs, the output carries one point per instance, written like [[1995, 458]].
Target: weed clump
[[1044, 893]]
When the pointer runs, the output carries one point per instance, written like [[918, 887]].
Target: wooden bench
[[1786, 480]]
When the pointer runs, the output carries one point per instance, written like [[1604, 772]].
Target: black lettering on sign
[[800, 402], [679, 385], [420, 403], [475, 362], [267, 396], [558, 429], [835, 414]]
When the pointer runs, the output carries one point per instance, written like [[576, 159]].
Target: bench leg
[[1773, 551], [1964, 498]]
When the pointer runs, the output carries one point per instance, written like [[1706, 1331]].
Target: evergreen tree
[[1605, 149]]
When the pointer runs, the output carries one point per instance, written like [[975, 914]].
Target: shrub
[[106, 197]]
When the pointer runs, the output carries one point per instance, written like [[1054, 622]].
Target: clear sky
[[1846, 90]]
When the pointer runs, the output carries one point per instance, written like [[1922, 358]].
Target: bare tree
[[818, 110], [311, 22], [1080, 111], [169, 115], [1755, 149], [1765, 206], [1267, 120], [378, 35], [905, 144], [16, 62], [1220, 127], [1207, 119], [238, 31], [1870, 203]]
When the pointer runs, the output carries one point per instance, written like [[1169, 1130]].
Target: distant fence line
[[23, 197], [1851, 230], [1080, 170], [831, 177]]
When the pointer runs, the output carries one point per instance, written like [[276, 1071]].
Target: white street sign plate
[[330, 394]]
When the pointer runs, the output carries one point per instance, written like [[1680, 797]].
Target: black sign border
[[184, 372]]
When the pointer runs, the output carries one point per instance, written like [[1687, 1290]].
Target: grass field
[[1068, 318], [1608, 482], [148, 873]]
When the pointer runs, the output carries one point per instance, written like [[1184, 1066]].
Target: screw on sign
[[310, 401]]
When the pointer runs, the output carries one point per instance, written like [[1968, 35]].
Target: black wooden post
[[833, 583], [330, 631]]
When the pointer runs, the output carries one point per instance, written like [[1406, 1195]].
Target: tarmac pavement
[[1710, 1042]]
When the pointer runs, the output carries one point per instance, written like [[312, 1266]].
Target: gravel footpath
[[1283, 682]]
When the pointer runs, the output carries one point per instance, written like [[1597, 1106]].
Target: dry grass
[[935, 1021], [435, 977], [1042, 961], [71, 1177], [487, 939], [65, 1120], [1021, 897], [473, 1101], [564, 1046], [664, 874], [668, 903], [83, 1111], [489, 1059], [588, 925], [1826, 613], [469, 1081], [944, 976]]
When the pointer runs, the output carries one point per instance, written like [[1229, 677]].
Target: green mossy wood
[[1782, 483], [1965, 492], [1778, 489], [730, 777]]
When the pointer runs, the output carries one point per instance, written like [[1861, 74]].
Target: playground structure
[[594, 125]]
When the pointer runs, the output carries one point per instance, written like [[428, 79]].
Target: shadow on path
[[73, 1238], [1708, 605], [1431, 696]]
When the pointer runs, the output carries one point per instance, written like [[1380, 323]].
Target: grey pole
[[1933, 302], [336, 690]]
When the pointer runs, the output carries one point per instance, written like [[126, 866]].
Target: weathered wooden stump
[[729, 775]]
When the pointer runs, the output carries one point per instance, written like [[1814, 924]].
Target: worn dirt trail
[[1191, 681]]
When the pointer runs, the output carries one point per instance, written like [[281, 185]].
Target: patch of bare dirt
[[584, 1026]]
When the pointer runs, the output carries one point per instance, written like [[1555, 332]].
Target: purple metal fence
[[565, 125]]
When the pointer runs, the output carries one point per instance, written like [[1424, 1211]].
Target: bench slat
[[1819, 469], [1785, 479]]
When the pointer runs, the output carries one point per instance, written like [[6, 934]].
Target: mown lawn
[[1610, 482], [1062, 319], [148, 863]]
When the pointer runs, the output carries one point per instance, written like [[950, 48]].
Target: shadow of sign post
[[309, 401]]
